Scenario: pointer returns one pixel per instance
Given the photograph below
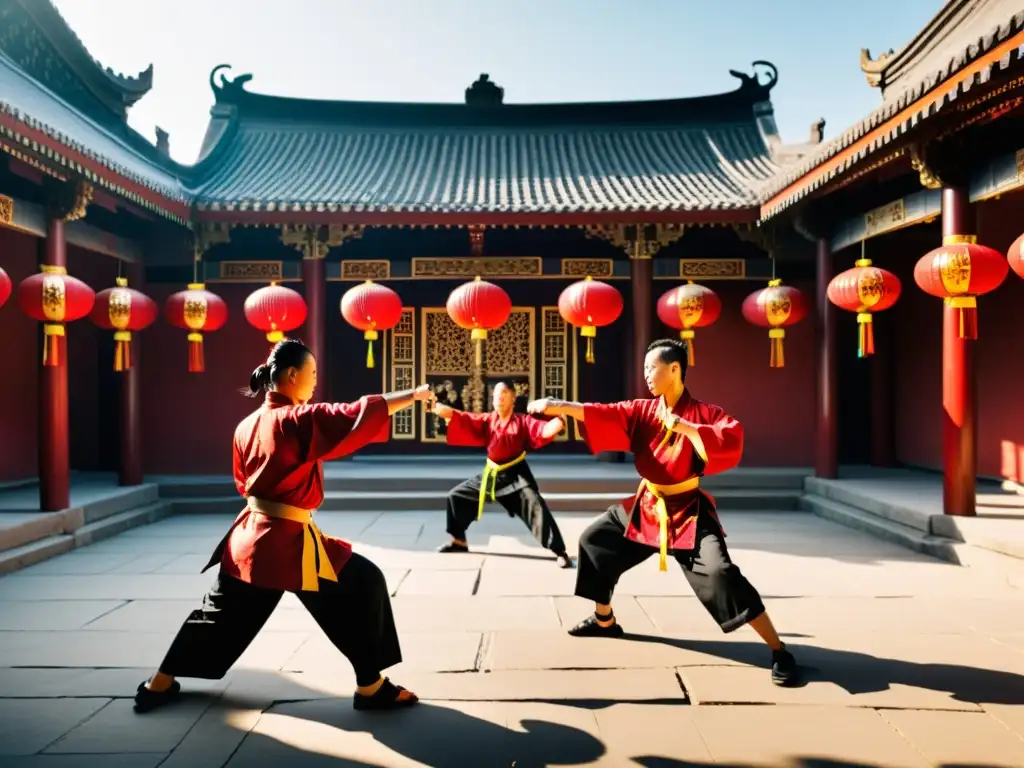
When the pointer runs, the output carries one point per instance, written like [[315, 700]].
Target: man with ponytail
[[274, 546]]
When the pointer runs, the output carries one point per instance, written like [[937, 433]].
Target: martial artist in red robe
[[675, 440], [506, 479], [274, 546]]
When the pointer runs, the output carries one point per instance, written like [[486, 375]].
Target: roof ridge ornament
[[484, 92], [753, 81], [230, 89], [874, 69]]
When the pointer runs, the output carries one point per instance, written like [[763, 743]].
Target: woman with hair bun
[[274, 546]]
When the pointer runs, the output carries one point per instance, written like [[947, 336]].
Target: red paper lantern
[[123, 310], [775, 307], [686, 307], [197, 311], [275, 310], [959, 272], [864, 289], [479, 306], [5, 287], [1014, 257], [54, 298], [590, 304], [371, 308]]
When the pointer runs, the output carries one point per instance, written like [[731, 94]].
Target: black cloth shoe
[[452, 546], [563, 560], [385, 698], [590, 628], [147, 700], [784, 667]]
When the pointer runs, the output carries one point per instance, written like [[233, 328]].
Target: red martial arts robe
[[278, 459], [505, 470], [504, 442], [664, 460]]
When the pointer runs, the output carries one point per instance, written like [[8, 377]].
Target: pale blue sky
[[538, 50]]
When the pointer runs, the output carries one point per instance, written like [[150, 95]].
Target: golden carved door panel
[[447, 362]]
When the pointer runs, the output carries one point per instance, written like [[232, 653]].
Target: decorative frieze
[[886, 217], [585, 267], [250, 272], [713, 269], [523, 266], [365, 269]]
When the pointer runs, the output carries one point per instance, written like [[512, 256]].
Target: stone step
[[36, 551], [18, 529], [444, 477], [882, 527], [45, 546], [394, 501], [838, 492]]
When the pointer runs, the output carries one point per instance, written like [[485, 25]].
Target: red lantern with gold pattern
[[197, 311], [479, 307], [687, 307], [123, 310], [1014, 257], [959, 272], [275, 310], [590, 304], [54, 298], [864, 289], [5, 287], [775, 308], [371, 308]]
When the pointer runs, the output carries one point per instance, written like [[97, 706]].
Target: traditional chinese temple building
[[321, 195]]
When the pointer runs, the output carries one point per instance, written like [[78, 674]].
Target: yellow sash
[[660, 492], [491, 470], [312, 543]]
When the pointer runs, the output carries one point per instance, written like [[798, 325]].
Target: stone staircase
[[99, 510], [993, 541]]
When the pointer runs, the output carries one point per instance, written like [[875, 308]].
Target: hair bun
[[260, 378]]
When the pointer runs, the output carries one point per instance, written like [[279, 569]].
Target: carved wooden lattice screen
[[447, 361], [403, 372], [555, 360]]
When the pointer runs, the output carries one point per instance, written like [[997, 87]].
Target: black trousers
[[524, 502], [354, 613], [606, 554]]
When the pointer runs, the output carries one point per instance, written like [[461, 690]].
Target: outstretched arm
[[550, 407], [398, 401]]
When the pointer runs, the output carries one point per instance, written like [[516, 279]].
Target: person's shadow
[[862, 673]]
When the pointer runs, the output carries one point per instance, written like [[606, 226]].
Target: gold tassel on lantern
[[479, 335], [777, 358], [122, 351], [370, 336], [866, 335], [196, 361], [589, 332], [688, 336], [51, 344]]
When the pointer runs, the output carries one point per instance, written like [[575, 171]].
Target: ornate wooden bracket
[[68, 200], [313, 242], [639, 241], [920, 162], [208, 234], [476, 239], [764, 237]]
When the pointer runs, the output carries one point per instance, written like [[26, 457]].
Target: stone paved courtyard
[[912, 662]]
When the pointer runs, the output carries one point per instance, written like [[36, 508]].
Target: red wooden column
[[130, 468], [883, 432], [959, 405], [641, 272], [314, 278], [826, 461], [54, 451]]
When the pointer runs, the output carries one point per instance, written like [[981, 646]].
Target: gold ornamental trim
[[6, 210], [522, 266], [885, 218], [584, 267], [249, 272], [365, 269], [713, 269]]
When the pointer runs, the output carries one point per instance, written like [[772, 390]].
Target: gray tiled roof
[[30, 103], [970, 44], [291, 154]]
